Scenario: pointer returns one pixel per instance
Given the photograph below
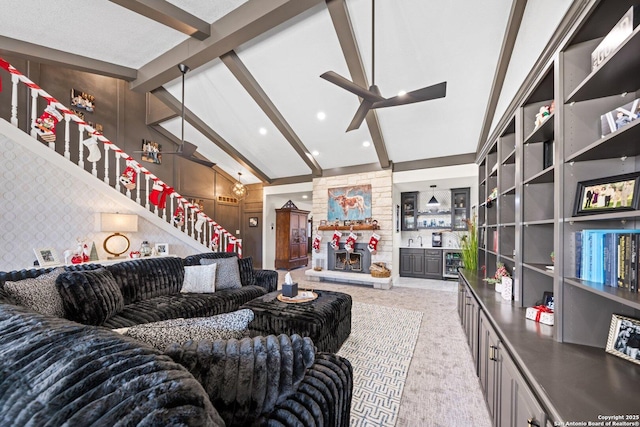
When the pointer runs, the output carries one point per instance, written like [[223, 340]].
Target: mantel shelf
[[348, 227]]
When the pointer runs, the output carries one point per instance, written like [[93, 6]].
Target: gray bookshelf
[[536, 170]]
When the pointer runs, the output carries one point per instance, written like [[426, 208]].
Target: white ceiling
[[418, 43]]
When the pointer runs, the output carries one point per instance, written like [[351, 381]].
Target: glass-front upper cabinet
[[460, 208], [409, 203]]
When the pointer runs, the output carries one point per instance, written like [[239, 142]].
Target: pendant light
[[433, 201], [238, 190]]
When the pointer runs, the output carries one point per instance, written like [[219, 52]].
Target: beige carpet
[[441, 388]]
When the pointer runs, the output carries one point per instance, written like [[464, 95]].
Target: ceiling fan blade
[[203, 162], [338, 80], [363, 109], [426, 93]]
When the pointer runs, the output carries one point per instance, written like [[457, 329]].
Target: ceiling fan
[[186, 150], [371, 98]]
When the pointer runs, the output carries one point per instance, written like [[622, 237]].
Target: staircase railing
[[185, 215]]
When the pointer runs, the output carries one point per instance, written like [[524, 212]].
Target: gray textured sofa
[[77, 371], [142, 291], [56, 372]]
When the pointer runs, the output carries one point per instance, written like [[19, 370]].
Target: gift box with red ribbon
[[540, 313]]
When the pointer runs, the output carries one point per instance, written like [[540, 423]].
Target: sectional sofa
[[67, 366]]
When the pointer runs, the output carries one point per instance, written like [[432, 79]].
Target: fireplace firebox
[[357, 261]]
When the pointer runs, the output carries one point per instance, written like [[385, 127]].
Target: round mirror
[[116, 244]]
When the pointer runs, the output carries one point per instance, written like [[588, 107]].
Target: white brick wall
[[381, 210]]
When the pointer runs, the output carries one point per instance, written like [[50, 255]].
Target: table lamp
[[117, 244]]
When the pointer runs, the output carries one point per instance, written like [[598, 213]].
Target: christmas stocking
[[45, 125], [373, 243], [199, 222], [128, 178], [335, 240], [166, 191], [156, 194], [316, 242], [178, 216], [94, 151], [350, 245], [215, 240]]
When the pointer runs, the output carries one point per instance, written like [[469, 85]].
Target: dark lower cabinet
[[412, 262], [510, 401], [433, 263], [421, 263]]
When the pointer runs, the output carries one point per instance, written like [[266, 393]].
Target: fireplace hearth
[[357, 261]]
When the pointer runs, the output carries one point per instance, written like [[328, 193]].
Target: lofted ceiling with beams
[[253, 96]]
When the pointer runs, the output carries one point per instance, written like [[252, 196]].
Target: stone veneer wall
[[382, 210]]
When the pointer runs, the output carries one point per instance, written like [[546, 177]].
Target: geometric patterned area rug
[[380, 349]]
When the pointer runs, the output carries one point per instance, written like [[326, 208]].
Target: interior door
[[252, 237]]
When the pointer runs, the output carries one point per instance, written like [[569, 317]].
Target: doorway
[[252, 237]]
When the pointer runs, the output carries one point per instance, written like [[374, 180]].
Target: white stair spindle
[[193, 222], [34, 112], [146, 178], [67, 136], [138, 200], [81, 146], [116, 159], [14, 99], [239, 247], [106, 164]]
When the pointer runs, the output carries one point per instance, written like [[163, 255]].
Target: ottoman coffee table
[[326, 319]]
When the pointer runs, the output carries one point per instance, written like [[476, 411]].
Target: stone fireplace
[[357, 261]]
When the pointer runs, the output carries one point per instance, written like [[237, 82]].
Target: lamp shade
[[433, 201], [117, 222]]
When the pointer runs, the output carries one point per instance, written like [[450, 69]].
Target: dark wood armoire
[[291, 237]]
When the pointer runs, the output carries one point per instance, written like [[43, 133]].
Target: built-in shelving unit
[[536, 168]]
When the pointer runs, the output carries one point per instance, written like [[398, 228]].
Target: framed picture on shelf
[[611, 194], [46, 256], [162, 249], [624, 338]]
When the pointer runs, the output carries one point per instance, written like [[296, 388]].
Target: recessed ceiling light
[[304, 196], [315, 152], [366, 144], [402, 93], [263, 131], [321, 115]]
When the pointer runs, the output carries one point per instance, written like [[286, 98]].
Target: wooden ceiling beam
[[344, 30], [251, 19], [170, 15], [250, 84]]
